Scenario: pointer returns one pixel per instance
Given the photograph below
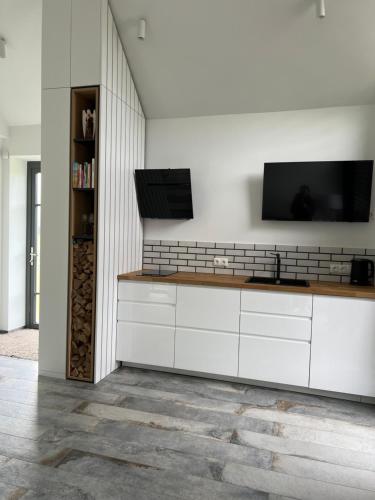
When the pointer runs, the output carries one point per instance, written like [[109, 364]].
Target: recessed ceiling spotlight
[[322, 9], [3, 48], [142, 29]]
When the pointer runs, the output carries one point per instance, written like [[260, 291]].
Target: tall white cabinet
[[343, 346], [81, 47]]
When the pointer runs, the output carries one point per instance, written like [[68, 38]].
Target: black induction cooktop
[[153, 272]]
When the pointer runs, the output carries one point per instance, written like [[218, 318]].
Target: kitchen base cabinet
[[274, 360], [343, 345], [207, 351], [145, 344]]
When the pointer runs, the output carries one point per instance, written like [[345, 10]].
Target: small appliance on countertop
[[362, 272], [155, 272]]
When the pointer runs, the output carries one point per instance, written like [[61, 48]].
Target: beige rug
[[20, 344]]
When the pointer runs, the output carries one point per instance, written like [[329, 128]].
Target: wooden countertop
[[316, 287]]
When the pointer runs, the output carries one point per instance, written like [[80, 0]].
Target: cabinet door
[[274, 360], [141, 291], [272, 325], [145, 344], [343, 345], [210, 308], [207, 351], [292, 304]]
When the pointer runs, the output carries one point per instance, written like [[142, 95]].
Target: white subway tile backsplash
[[330, 250], [151, 242], [187, 243], [265, 247], [242, 246], [255, 253], [225, 245], [286, 248], [305, 248], [239, 253], [248, 259], [169, 243], [354, 251], [205, 244]]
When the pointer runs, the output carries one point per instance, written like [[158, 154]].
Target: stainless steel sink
[[281, 281]]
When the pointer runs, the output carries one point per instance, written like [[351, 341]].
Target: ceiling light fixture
[[142, 29], [3, 48], [322, 9]]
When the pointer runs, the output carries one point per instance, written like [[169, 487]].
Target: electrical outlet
[[221, 262], [339, 268]]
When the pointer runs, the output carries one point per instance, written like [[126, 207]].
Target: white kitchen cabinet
[[293, 304], [211, 308], [140, 312], [207, 351], [343, 345], [139, 291], [274, 360], [145, 344], [275, 334], [57, 16], [146, 318], [272, 325]]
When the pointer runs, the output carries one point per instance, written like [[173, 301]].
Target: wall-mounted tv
[[164, 193], [317, 191]]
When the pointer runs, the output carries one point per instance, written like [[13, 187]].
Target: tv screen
[[164, 193], [317, 191]]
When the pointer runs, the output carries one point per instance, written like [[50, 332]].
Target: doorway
[[34, 200]]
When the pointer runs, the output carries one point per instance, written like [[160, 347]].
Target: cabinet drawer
[[141, 312], [210, 308], [209, 352], [147, 292], [271, 325], [274, 360], [292, 304], [145, 344]]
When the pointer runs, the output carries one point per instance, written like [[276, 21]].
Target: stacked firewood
[[82, 302]]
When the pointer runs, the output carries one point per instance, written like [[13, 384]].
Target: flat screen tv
[[317, 191], [164, 193]]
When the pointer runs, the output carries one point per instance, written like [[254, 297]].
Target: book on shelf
[[83, 175]]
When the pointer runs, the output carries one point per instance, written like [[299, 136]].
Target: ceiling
[[20, 72], [204, 57]]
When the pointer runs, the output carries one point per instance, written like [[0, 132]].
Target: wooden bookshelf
[[82, 238]]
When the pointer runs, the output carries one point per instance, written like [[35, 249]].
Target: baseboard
[[51, 374], [269, 385], [14, 330]]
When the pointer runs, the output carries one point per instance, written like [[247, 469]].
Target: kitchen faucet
[[278, 266]]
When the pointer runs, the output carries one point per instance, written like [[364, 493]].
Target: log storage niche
[[83, 231]]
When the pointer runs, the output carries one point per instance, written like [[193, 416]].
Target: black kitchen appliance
[[362, 272], [164, 193]]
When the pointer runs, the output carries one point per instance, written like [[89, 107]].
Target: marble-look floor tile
[[290, 485], [320, 452], [317, 423], [141, 434], [326, 472], [220, 420]]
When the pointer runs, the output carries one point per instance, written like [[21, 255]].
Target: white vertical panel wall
[[81, 48], [121, 151]]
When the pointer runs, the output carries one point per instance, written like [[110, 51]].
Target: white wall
[[25, 141], [120, 233], [226, 155], [13, 276]]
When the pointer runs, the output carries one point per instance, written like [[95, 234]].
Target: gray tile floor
[[144, 435]]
